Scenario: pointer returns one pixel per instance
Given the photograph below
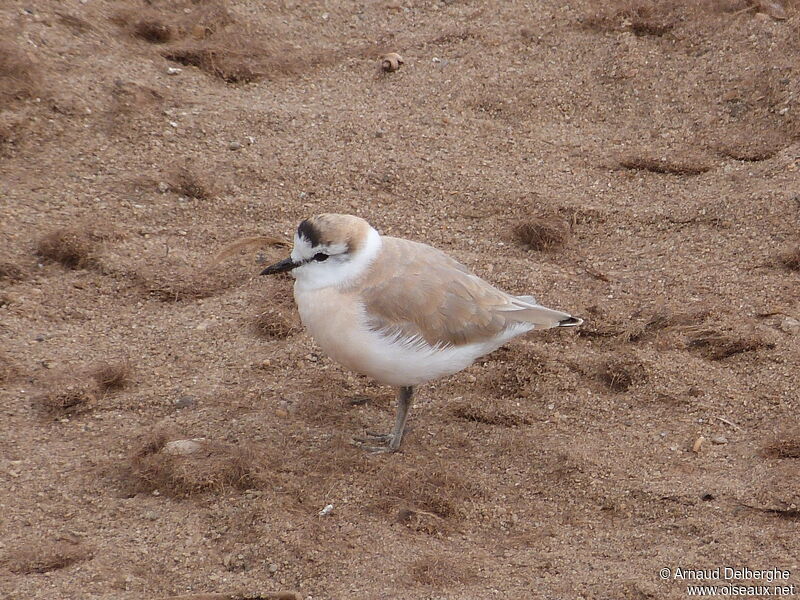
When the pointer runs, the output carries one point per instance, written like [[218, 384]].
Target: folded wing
[[426, 296]]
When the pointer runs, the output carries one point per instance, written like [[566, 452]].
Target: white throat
[[339, 272]]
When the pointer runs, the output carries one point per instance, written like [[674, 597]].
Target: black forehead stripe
[[307, 230]]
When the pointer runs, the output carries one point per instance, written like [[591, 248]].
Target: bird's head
[[329, 249]]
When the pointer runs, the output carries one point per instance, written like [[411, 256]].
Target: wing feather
[[417, 293]]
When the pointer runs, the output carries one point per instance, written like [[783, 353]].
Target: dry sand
[[649, 152]]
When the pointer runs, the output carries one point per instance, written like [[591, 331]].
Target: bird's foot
[[367, 441]]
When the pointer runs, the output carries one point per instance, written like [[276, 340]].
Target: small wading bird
[[398, 311]]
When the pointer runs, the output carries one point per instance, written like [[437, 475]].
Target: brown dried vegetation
[[786, 444], [210, 466], [636, 330], [11, 272], [651, 17], [42, 556], [619, 374], [513, 371], [237, 57], [112, 376], [438, 572], [67, 395], [130, 100], [665, 166], [489, 414], [193, 183], [276, 322], [791, 259], [641, 18], [19, 75], [718, 345], [542, 233], [658, 321], [424, 500], [326, 403], [207, 37], [74, 22], [171, 22], [153, 30], [171, 280], [8, 368], [739, 145], [73, 248]]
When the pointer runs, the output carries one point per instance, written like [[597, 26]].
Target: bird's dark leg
[[393, 439]]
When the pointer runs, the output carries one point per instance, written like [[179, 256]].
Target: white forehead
[[303, 249]]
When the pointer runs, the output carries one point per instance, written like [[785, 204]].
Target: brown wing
[[416, 291]]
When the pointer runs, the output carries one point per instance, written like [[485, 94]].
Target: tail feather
[[524, 309], [571, 322]]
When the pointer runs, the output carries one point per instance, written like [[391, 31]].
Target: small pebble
[[719, 439], [163, 187], [234, 146], [183, 447], [185, 402], [326, 511], [790, 325], [173, 70]]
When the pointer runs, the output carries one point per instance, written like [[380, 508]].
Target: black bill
[[286, 265]]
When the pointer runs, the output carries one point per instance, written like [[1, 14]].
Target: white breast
[[337, 323]]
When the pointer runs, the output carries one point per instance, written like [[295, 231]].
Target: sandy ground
[[661, 143]]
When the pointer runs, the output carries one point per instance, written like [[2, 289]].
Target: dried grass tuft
[[658, 321], [437, 571], [73, 248], [791, 259], [193, 183], [620, 374], [427, 500], [276, 322], [785, 444], [242, 57], [43, 556], [718, 345], [153, 30], [513, 372], [11, 272], [130, 105], [173, 281], [665, 166], [171, 23], [222, 61], [326, 403], [19, 76], [77, 24], [67, 395], [276, 316], [542, 233], [8, 368], [183, 468], [112, 376], [489, 415], [641, 17], [751, 147]]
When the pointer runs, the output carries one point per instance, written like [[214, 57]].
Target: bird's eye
[[319, 257]]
